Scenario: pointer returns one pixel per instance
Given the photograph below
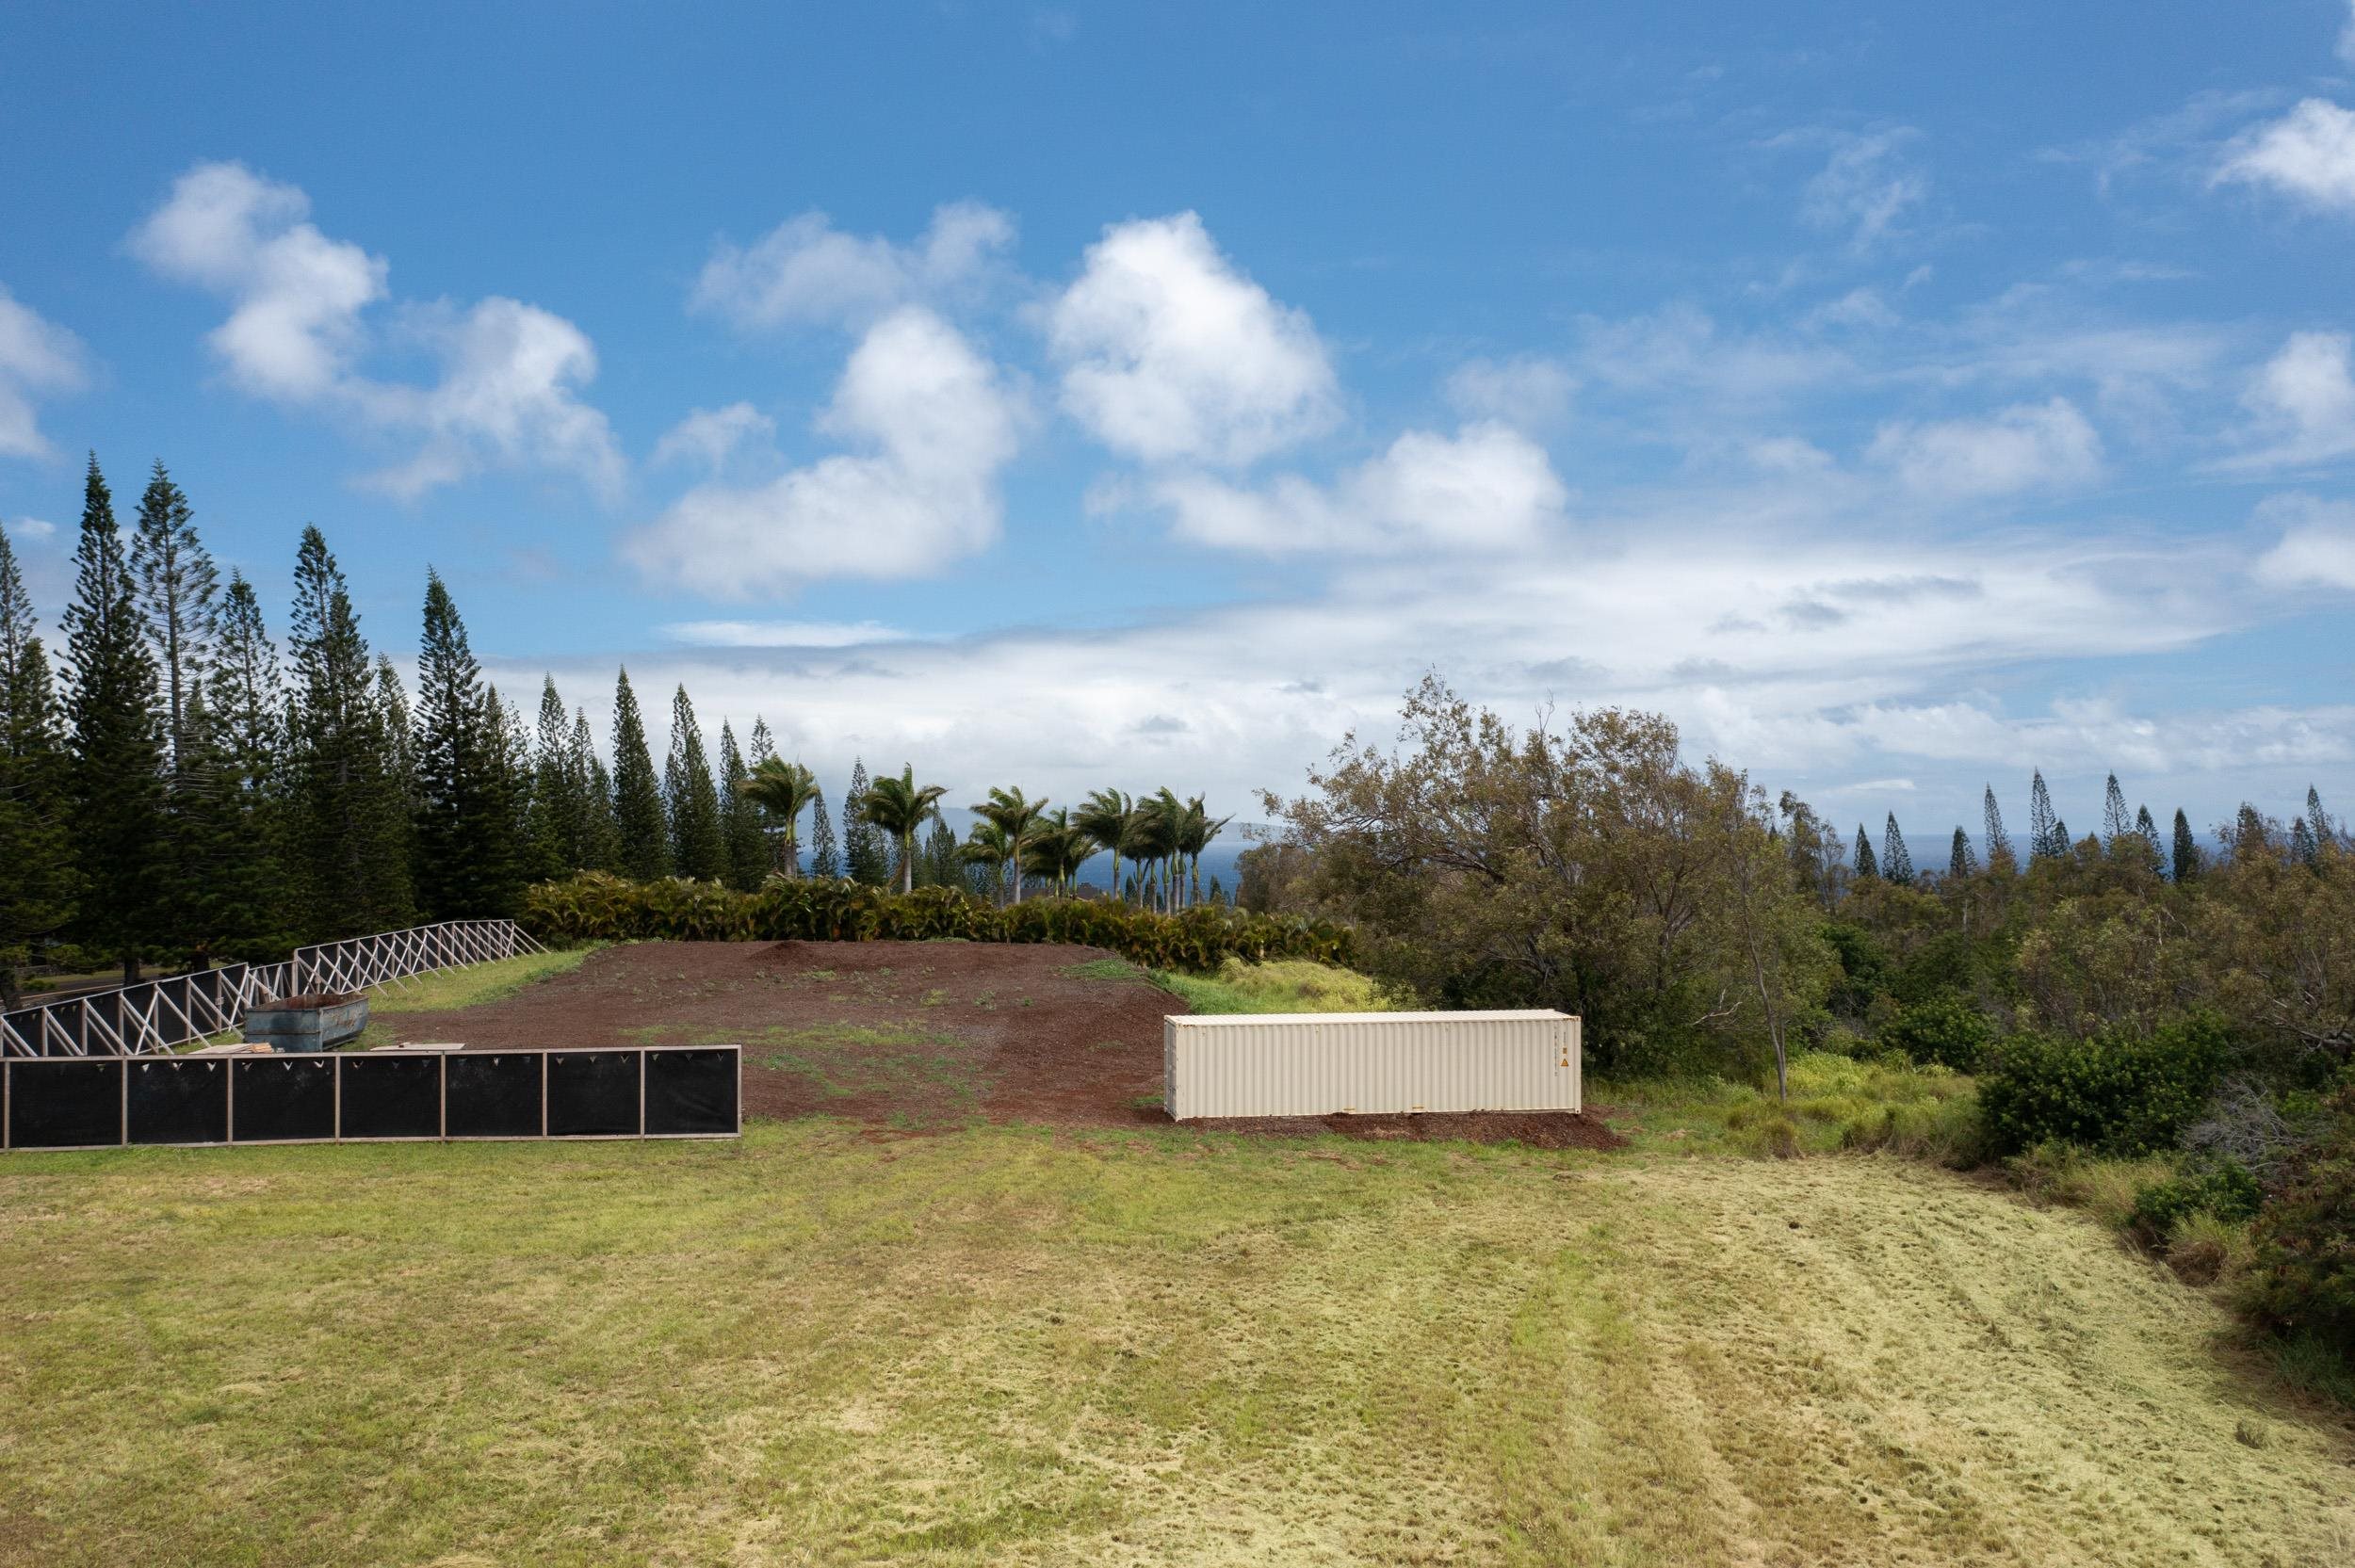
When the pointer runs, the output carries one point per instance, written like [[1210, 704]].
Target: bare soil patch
[[914, 1035]]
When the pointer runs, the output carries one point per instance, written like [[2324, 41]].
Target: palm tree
[[1159, 818], [784, 790], [1018, 820], [986, 844], [899, 807], [1058, 850], [1107, 819], [1194, 832]]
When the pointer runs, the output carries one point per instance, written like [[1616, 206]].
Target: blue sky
[[1067, 395]]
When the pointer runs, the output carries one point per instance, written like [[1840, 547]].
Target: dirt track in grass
[[910, 1035]]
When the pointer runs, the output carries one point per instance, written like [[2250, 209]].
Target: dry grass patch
[[1001, 1344]]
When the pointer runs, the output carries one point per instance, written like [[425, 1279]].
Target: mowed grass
[[1003, 1345]]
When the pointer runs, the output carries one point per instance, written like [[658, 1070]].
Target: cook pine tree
[[698, 849], [467, 853], [115, 779], [37, 892], [638, 815]]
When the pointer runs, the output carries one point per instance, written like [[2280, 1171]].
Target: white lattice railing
[[155, 1016]]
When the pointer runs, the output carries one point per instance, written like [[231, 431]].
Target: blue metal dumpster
[[307, 1022]]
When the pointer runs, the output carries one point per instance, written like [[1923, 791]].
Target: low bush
[[2222, 1189], [2304, 1278], [1282, 985], [1945, 1029], [2119, 1092], [597, 907]]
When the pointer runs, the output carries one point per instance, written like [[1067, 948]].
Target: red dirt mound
[[915, 1035]]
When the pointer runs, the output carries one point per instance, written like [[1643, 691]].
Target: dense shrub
[[2223, 1190], [596, 907], [2305, 1238], [2117, 1091], [1946, 1029]]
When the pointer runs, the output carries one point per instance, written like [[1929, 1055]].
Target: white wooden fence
[[158, 1016]]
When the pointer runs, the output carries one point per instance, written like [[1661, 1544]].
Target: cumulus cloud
[[37, 357], [2308, 155], [1170, 353], [2028, 447], [297, 332], [2317, 544], [934, 423], [1485, 488], [806, 272], [1528, 391], [2304, 403], [709, 437]]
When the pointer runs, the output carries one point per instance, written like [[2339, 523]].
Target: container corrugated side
[[1320, 1064]]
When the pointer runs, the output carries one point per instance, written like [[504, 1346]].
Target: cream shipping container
[[1366, 1063]]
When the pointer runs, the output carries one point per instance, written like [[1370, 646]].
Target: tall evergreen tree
[[244, 743], [37, 892], [745, 835], [760, 745], [2147, 831], [698, 846], [938, 864], [1960, 860], [2303, 850], [638, 815], [2043, 835], [2187, 848], [118, 746], [2114, 820], [1865, 865], [2326, 831], [1896, 861], [865, 857], [556, 826], [825, 859], [350, 804], [2062, 843], [177, 587], [600, 846], [1999, 854], [467, 862], [2252, 835]]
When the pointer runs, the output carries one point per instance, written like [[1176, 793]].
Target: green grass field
[[829, 1344]]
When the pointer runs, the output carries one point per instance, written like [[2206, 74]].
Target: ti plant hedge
[[594, 906]]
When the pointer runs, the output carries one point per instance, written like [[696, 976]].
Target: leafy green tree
[[1866, 866], [117, 750], [897, 808], [698, 846], [347, 744], [825, 859], [177, 585], [37, 894], [864, 856], [468, 860], [1015, 818], [746, 833], [638, 815], [783, 790]]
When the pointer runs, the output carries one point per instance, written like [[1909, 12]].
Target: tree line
[[173, 789]]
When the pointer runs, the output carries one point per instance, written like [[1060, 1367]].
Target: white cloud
[[37, 357], [1867, 185], [2028, 447], [936, 423], [1528, 391], [709, 437], [1170, 354], [2308, 153], [2317, 544], [1678, 351], [783, 634], [2304, 404], [511, 373], [805, 271], [1486, 488]]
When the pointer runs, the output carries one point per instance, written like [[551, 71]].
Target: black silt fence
[[372, 1096]]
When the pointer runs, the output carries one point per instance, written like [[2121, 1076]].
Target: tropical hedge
[[597, 906]]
